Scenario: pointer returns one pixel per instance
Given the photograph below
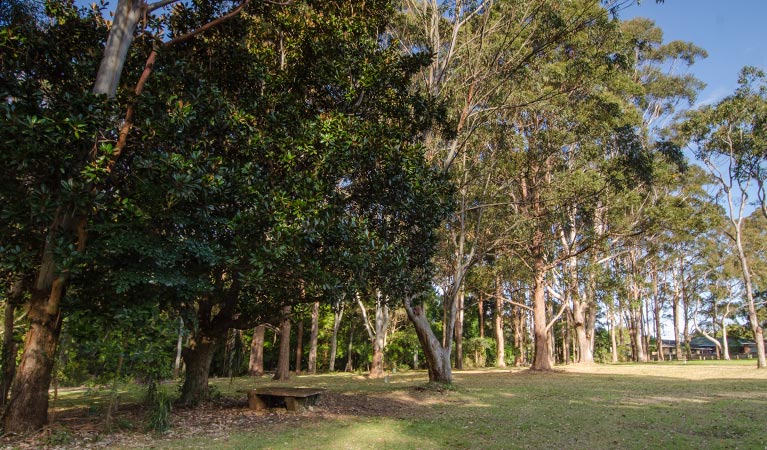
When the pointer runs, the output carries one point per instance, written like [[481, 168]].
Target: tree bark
[[9, 351], [313, 338], [256, 363], [127, 15], [377, 333], [27, 409], [481, 312], [613, 340], [581, 315], [542, 359], [338, 314], [283, 359], [197, 358], [437, 356], [350, 346], [299, 345], [179, 348], [458, 332], [500, 340]]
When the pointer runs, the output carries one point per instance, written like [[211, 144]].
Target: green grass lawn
[[669, 405]]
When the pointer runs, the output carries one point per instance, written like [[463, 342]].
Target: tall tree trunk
[[680, 355], [256, 362], [377, 333], [581, 315], [313, 338], [299, 345], [283, 358], [481, 312], [349, 347], [518, 320], [500, 342], [197, 358], [613, 340], [458, 332], [437, 356], [338, 314], [179, 348], [27, 409], [9, 351], [657, 311], [542, 358], [725, 346]]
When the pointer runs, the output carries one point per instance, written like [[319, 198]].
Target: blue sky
[[732, 32]]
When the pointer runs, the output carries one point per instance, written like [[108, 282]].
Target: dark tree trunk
[[437, 356], [283, 358], [256, 363], [9, 351], [458, 333], [299, 345], [197, 358], [481, 311], [27, 409], [313, 338]]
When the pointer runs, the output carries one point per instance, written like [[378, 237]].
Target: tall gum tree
[[724, 137], [480, 51]]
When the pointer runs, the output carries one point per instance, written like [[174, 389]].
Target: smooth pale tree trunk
[[581, 314], [338, 314], [613, 340], [458, 332], [519, 317], [680, 355], [377, 333], [313, 338], [636, 334], [437, 356], [256, 362], [198, 356], [179, 348], [283, 357], [299, 345], [126, 16], [725, 345], [566, 342], [500, 341], [350, 346], [657, 311], [542, 359]]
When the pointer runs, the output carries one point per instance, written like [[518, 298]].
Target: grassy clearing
[[695, 405]]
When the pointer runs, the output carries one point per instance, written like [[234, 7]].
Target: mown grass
[[697, 405]]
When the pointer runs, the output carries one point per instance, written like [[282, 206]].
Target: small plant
[[59, 436], [160, 406]]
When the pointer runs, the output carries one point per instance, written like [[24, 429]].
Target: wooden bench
[[293, 399]]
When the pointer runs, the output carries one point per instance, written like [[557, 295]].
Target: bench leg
[[255, 402], [294, 404]]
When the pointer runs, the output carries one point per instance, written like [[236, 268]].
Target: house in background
[[702, 347]]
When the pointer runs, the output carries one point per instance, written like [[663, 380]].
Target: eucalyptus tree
[[725, 139], [482, 52]]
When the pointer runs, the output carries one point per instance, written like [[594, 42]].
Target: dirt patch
[[215, 420]]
